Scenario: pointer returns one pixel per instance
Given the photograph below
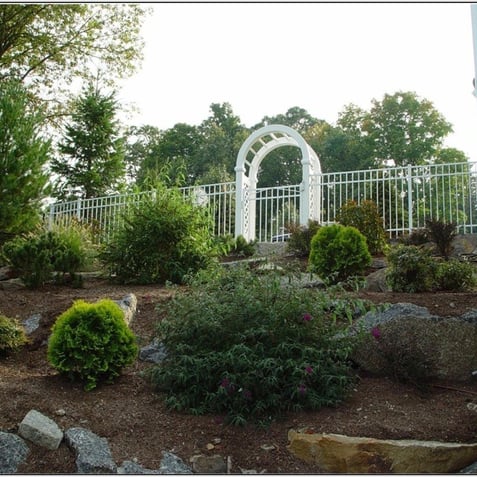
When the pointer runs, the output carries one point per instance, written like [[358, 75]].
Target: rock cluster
[[93, 455]]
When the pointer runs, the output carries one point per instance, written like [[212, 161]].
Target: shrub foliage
[[247, 346], [338, 252], [366, 218], [453, 275], [410, 269], [300, 238], [164, 238], [12, 335], [91, 342], [442, 234], [36, 256]]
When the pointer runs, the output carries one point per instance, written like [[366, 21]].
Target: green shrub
[[442, 234], [242, 248], [453, 275], [338, 252], [12, 335], [36, 256], [410, 269], [299, 242], [366, 218], [416, 237], [164, 238], [91, 342], [246, 346]]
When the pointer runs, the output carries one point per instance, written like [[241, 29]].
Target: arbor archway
[[251, 154]]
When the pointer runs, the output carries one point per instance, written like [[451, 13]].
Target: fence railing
[[405, 197]]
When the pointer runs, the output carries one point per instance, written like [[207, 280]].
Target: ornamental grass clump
[[252, 346], [91, 342]]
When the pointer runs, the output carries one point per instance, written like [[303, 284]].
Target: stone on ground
[[171, 464], [13, 452], [336, 453], [93, 455], [41, 430], [128, 304]]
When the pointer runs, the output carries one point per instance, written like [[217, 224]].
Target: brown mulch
[[138, 426]]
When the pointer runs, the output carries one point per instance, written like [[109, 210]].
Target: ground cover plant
[[252, 346], [12, 335]]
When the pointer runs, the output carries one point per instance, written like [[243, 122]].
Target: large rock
[[13, 452], [208, 464], [376, 281], [154, 352], [171, 464], [130, 467], [41, 430], [442, 347], [93, 455], [342, 454], [128, 304]]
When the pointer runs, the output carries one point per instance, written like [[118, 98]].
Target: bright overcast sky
[[264, 58]]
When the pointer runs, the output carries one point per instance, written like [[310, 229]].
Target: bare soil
[[138, 426]]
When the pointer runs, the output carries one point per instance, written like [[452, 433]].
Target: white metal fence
[[405, 197]]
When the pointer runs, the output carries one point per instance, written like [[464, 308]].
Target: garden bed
[[138, 426]]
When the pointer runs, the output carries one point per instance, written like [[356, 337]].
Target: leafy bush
[[37, 255], [164, 238], [299, 242], [91, 342], [247, 346], [442, 234], [453, 275], [338, 252], [403, 359], [12, 334], [366, 218], [416, 237], [411, 269]]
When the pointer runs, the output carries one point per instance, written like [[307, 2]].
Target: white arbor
[[251, 154]]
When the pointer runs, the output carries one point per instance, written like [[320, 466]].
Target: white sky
[[264, 58]]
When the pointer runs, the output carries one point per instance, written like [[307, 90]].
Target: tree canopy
[[43, 44]]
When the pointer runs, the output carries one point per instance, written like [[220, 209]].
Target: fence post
[[50, 216], [409, 197], [78, 209]]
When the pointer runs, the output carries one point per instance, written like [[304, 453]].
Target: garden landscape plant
[[253, 346], [338, 253], [91, 342], [164, 238]]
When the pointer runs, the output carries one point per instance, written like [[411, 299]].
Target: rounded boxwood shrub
[[12, 335], [164, 238], [91, 342], [338, 252], [248, 347], [411, 269]]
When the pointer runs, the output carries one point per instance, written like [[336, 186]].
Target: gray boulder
[[130, 467], [32, 323], [444, 347], [154, 352], [41, 430], [128, 304], [93, 455], [13, 452], [171, 464]]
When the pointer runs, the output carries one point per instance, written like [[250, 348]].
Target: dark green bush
[[299, 242], [164, 238], [242, 248], [36, 256], [411, 269], [338, 253], [416, 237], [442, 234], [12, 335], [366, 218], [246, 346], [91, 342], [453, 275]]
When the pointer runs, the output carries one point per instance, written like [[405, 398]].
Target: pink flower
[[308, 370], [376, 332], [307, 317], [301, 389]]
